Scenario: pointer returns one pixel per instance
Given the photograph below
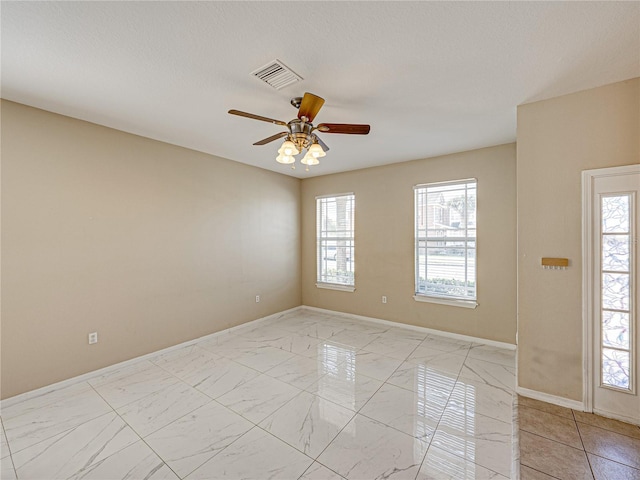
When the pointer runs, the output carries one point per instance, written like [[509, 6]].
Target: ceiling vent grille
[[276, 74]]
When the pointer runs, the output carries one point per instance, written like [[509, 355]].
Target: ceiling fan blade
[[257, 117], [310, 106], [347, 128], [322, 144], [264, 141]]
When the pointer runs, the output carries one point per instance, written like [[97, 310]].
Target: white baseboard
[[87, 376], [431, 331], [616, 416], [546, 397], [7, 402]]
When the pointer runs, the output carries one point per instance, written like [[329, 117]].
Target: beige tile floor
[[561, 443]]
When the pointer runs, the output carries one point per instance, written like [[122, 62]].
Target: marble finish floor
[[306, 396], [560, 443]]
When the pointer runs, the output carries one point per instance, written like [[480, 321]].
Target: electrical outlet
[[93, 338], [384, 299], [257, 298]]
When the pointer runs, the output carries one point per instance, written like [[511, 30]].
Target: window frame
[[323, 239], [457, 301]]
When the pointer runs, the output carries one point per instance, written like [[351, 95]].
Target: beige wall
[[384, 236], [146, 243], [557, 139]]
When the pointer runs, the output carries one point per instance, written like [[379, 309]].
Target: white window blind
[[445, 236], [335, 239]]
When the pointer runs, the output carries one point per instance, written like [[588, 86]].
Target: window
[[335, 241], [446, 242], [616, 305]]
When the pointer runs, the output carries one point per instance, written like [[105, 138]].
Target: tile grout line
[[601, 456], [426, 452], [440, 420], [544, 473], [607, 429], [435, 430], [134, 431], [357, 411], [384, 382], [314, 462], [212, 400], [13, 465], [614, 461], [582, 443], [550, 413], [66, 430], [550, 440], [256, 425]]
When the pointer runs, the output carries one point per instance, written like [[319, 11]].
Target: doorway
[[611, 264]]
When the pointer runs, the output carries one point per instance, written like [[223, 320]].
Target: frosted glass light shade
[[316, 151], [309, 159], [286, 159], [288, 148]]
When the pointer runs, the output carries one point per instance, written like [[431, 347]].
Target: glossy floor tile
[[257, 455], [480, 439], [160, 408], [308, 423], [561, 443], [415, 414], [471, 398], [258, 398], [302, 372], [369, 449], [442, 465], [318, 471], [7, 471], [4, 447], [136, 462], [40, 418], [192, 440], [492, 354], [304, 395], [90, 443]]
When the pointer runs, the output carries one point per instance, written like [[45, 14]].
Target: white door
[[615, 287]]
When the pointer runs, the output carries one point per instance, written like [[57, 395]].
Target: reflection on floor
[[303, 396], [557, 442]]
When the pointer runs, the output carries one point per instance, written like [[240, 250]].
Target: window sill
[[446, 301], [335, 286]]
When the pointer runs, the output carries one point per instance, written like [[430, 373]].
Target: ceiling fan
[[300, 132]]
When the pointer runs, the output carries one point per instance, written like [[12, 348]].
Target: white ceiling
[[430, 77]]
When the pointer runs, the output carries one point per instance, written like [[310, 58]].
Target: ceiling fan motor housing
[[301, 133]]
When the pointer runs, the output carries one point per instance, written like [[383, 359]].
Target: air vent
[[276, 74]]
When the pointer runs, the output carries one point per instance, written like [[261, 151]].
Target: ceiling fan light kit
[[289, 148], [309, 159], [300, 134], [286, 159]]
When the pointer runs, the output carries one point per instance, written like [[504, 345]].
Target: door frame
[[588, 312]]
